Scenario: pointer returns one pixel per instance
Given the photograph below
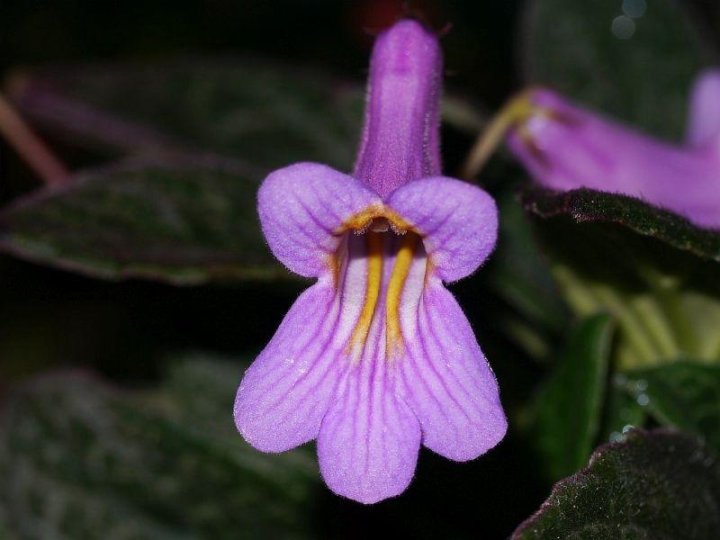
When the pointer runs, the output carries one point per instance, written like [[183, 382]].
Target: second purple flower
[[566, 147]]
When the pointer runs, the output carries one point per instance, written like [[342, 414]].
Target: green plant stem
[[587, 300], [668, 292], [633, 330]]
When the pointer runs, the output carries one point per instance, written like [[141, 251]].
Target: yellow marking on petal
[[399, 275], [377, 222], [334, 263], [372, 292], [363, 220], [429, 270]]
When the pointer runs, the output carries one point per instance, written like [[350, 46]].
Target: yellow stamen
[[400, 272], [513, 115], [372, 289]]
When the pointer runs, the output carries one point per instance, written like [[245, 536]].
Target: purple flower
[[565, 147], [377, 357]]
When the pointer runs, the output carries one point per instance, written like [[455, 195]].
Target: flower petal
[[287, 390], [369, 440], [300, 208], [458, 222], [447, 381], [704, 115], [601, 155]]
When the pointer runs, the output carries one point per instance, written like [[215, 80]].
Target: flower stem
[[30, 148], [516, 111]]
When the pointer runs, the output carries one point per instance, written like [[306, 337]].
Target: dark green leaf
[[222, 125], [569, 406], [81, 460], [182, 224], [571, 46], [652, 270], [683, 394], [589, 206], [622, 411], [656, 486], [251, 112], [519, 273]]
